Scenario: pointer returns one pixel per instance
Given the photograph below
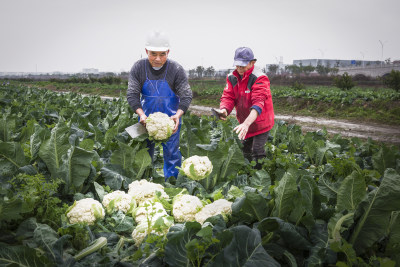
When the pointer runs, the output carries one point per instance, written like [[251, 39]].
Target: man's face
[[157, 58], [243, 69]]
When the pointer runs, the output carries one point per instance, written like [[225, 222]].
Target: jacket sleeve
[[134, 87], [182, 89], [228, 97], [260, 91]]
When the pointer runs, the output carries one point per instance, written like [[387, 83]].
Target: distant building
[[90, 71], [338, 63]]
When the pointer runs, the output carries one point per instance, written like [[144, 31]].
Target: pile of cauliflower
[[197, 167], [159, 126], [149, 213]]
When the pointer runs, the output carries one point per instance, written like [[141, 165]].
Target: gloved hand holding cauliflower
[[159, 126], [196, 167]]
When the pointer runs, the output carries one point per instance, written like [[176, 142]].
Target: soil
[[377, 132]]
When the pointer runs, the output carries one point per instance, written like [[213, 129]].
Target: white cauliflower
[[149, 211], [159, 126], [143, 190], [185, 207], [85, 210], [220, 206], [159, 227], [118, 200], [196, 167]]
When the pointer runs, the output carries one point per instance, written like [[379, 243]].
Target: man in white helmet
[[158, 84]]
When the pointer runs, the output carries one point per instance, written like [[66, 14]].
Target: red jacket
[[246, 92]]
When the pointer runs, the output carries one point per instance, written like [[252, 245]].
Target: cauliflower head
[[143, 190], [185, 207], [149, 211], [220, 206], [118, 200], [159, 227], [197, 167], [159, 126], [86, 210]]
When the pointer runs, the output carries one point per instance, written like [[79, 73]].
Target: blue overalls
[[157, 96]]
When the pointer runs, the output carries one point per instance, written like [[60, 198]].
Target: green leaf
[[373, 213], [293, 236], [99, 190], [11, 158], [21, 256], [261, 180], [52, 150], [10, 209], [87, 144], [351, 191], [36, 139], [393, 246], [7, 126], [320, 247], [233, 161], [385, 158], [141, 162], [75, 168], [245, 249], [124, 156], [250, 208], [114, 176], [122, 222], [176, 252], [285, 193]]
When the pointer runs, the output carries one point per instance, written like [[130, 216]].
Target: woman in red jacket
[[247, 89]]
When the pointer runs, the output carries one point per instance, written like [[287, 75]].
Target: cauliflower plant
[[159, 126], [149, 211], [85, 210], [143, 190], [196, 167], [185, 207], [118, 200], [159, 227], [220, 206]]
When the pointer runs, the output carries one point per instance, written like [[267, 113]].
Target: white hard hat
[[157, 41]]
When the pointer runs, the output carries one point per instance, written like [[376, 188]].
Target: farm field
[[360, 104], [318, 200]]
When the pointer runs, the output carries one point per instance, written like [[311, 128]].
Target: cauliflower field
[[77, 190]]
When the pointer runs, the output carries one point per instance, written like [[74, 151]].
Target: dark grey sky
[[54, 35]]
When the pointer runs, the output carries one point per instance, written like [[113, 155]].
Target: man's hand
[[142, 116], [143, 119], [242, 130], [176, 118]]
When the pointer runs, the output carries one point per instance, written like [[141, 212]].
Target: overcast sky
[[69, 35]]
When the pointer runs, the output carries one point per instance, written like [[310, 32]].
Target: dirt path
[[377, 132]]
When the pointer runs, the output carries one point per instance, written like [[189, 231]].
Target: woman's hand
[[242, 130]]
